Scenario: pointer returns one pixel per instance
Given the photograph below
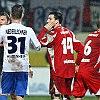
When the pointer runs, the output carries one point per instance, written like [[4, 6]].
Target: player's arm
[[42, 35], [30, 72], [76, 68], [79, 48], [34, 41]]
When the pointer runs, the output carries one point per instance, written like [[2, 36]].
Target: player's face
[[3, 20], [52, 19]]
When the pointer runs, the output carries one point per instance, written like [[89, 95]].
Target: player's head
[[98, 23], [4, 18], [17, 12], [55, 17]]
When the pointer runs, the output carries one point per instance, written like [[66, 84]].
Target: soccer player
[[4, 20], [16, 38], [88, 75], [60, 43]]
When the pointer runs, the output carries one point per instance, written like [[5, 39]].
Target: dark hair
[[5, 14], [98, 23], [57, 15], [17, 11]]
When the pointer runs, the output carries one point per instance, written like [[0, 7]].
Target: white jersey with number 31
[[16, 39]]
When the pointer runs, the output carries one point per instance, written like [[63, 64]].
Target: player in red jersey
[[60, 43], [88, 75]]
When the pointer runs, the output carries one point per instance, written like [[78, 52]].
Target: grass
[[48, 98], [35, 98]]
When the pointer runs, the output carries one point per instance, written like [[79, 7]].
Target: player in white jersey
[[16, 39], [5, 20]]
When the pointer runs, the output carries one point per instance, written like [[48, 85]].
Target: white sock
[[65, 99]]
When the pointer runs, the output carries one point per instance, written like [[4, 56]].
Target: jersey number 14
[[67, 44]]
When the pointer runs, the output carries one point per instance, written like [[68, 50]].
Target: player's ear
[[22, 15], [57, 21], [10, 15], [8, 21]]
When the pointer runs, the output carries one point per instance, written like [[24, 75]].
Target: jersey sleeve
[[34, 40], [42, 33], [79, 54], [42, 38], [79, 48]]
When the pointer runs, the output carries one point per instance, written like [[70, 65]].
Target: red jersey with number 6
[[91, 55]]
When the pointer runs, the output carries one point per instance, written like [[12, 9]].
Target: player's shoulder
[[19, 26], [94, 33], [68, 30], [26, 27], [29, 28], [3, 26]]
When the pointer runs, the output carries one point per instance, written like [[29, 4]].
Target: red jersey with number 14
[[61, 44]]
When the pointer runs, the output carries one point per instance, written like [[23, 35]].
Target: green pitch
[[48, 98]]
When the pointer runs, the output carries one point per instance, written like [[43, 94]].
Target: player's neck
[[99, 29], [16, 21]]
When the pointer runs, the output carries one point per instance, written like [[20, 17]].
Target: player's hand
[[76, 68], [30, 73], [49, 26]]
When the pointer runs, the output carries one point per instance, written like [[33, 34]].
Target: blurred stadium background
[[80, 16]]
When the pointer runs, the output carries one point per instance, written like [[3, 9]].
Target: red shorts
[[86, 79], [63, 85]]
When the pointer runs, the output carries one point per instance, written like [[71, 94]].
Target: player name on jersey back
[[16, 31]]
